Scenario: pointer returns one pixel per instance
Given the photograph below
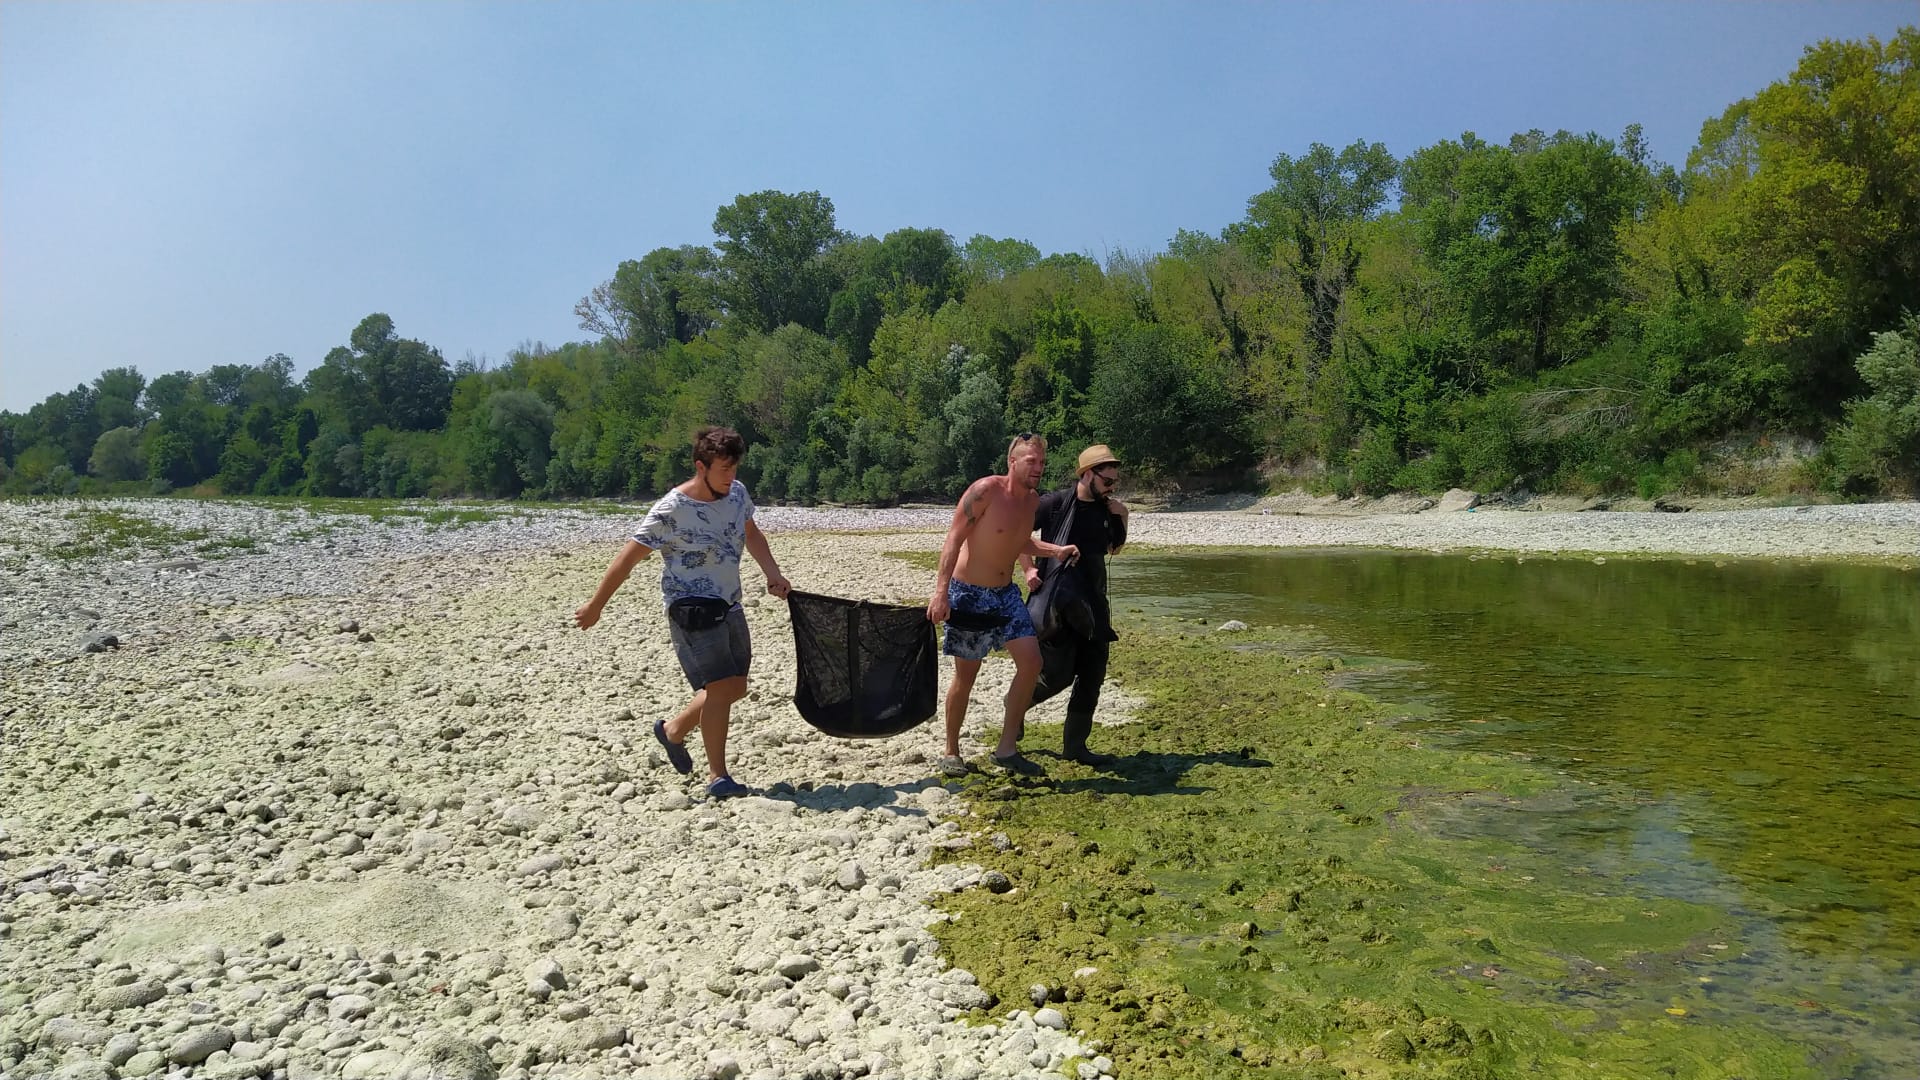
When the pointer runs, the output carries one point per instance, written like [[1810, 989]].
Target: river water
[[1739, 734]]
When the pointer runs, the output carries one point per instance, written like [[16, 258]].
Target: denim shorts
[[1004, 601], [719, 652]]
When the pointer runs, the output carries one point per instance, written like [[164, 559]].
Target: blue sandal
[[727, 787], [676, 752]]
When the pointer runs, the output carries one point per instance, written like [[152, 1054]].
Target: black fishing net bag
[[864, 670]]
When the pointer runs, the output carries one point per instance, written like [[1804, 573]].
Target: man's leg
[[1026, 672], [715, 713], [1089, 673], [958, 691], [689, 718]]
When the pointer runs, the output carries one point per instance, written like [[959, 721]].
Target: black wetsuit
[[1081, 662]]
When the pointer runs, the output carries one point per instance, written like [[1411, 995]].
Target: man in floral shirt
[[700, 529]]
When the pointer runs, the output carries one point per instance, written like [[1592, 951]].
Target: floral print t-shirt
[[700, 543]]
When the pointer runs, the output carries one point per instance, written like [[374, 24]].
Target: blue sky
[[183, 185]]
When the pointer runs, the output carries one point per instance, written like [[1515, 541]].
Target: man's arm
[[616, 575], [1119, 510], [973, 506], [777, 583], [1066, 553]]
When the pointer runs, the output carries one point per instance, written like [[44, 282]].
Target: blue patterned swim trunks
[[978, 600]]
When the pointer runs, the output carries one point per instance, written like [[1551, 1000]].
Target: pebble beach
[[288, 792]]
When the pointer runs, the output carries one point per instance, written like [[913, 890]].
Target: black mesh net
[[865, 670]]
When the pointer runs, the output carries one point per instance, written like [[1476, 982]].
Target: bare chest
[[1007, 518]]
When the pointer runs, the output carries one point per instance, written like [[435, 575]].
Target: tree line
[[1556, 311]]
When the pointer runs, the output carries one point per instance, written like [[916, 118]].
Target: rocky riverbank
[[290, 792]]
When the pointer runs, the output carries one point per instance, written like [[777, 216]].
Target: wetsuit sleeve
[[1043, 515]]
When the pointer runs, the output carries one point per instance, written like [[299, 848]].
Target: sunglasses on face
[[1110, 475]]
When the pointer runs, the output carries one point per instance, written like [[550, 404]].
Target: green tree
[[168, 391], [786, 377], [382, 379], [670, 294], [338, 390], [332, 463], [1161, 399], [185, 444], [223, 384], [41, 469], [1829, 222], [69, 422], [976, 422], [910, 268], [1527, 236], [272, 383], [1877, 448], [771, 268], [117, 398], [1309, 223], [509, 443], [242, 463], [985, 259], [116, 455]]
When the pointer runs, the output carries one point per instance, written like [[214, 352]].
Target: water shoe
[[676, 752]]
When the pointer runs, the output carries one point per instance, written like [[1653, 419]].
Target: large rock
[[373, 1065], [65, 1031], [448, 1057], [796, 965], [144, 1063], [132, 995], [198, 1045], [547, 970], [597, 1035], [1458, 499]]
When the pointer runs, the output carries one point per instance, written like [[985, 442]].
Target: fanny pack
[[975, 620], [698, 612]]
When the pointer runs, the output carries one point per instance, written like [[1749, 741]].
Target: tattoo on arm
[[970, 506]]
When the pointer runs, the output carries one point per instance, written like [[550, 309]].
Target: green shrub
[[1375, 462], [1877, 448], [1431, 473]]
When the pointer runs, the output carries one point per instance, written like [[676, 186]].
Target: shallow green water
[[1743, 735]]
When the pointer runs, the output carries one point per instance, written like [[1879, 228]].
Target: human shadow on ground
[[1143, 773], [828, 798]]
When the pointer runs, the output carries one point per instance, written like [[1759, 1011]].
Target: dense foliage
[[1557, 312]]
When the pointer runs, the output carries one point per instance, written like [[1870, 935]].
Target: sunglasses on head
[[1026, 436]]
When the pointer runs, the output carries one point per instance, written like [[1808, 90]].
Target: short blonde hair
[[1027, 438]]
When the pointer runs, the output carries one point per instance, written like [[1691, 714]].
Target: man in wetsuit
[[992, 526], [1098, 528]]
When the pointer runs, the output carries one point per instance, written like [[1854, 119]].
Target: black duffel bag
[[1061, 606]]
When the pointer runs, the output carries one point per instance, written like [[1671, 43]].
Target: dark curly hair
[[711, 444]]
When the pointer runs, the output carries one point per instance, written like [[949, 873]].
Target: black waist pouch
[[698, 612], [975, 620]]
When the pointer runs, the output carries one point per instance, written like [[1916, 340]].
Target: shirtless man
[[975, 596]]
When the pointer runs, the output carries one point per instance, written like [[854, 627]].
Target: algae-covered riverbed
[[1483, 817]]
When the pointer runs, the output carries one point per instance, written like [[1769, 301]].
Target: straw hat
[[1095, 456]]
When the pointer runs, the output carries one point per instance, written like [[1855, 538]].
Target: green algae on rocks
[[1246, 893]]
